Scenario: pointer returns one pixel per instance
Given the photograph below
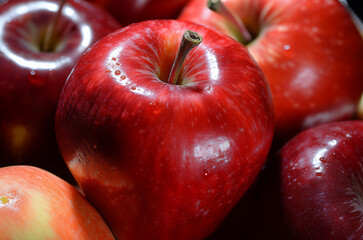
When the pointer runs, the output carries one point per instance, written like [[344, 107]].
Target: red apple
[[129, 11], [321, 182], [163, 160], [35, 204], [32, 77], [311, 190], [310, 52]]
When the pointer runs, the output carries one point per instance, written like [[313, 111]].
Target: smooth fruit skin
[[35, 204], [131, 11], [310, 52], [164, 161], [31, 80], [321, 182]]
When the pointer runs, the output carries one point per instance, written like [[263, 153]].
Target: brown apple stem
[[49, 34], [189, 41], [218, 7]]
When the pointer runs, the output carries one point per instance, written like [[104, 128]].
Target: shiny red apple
[[35, 204], [321, 182], [130, 11], [32, 76], [163, 160], [310, 52]]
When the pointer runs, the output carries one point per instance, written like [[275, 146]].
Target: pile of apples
[[180, 119]]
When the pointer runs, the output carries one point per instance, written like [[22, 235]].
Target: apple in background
[[312, 189], [35, 204], [321, 187], [162, 160], [310, 52], [32, 77], [130, 11]]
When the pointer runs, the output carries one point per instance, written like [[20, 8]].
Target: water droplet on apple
[[287, 47], [319, 174], [117, 72], [205, 173], [114, 59], [133, 87], [35, 79], [118, 64], [123, 77], [323, 160]]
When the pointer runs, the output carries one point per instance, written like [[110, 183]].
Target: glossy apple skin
[[131, 11], [164, 161], [31, 80], [321, 182], [311, 54], [35, 204]]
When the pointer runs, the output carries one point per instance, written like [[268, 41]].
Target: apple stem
[[189, 41], [49, 35], [218, 7]]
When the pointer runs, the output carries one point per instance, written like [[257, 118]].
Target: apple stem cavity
[[218, 7], [189, 41], [48, 41]]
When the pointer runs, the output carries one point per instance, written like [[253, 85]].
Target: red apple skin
[[31, 80], [35, 204], [321, 182], [131, 11], [164, 161], [310, 52]]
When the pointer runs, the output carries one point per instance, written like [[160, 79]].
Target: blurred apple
[[130, 11], [32, 74], [35, 204], [310, 51]]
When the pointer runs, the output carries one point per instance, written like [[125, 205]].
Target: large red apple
[[130, 11], [321, 182], [32, 77], [310, 52], [163, 160], [35, 204]]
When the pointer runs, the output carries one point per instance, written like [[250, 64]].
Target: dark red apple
[[32, 77], [35, 204], [310, 52], [130, 11], [321, 182], [163, 160]]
